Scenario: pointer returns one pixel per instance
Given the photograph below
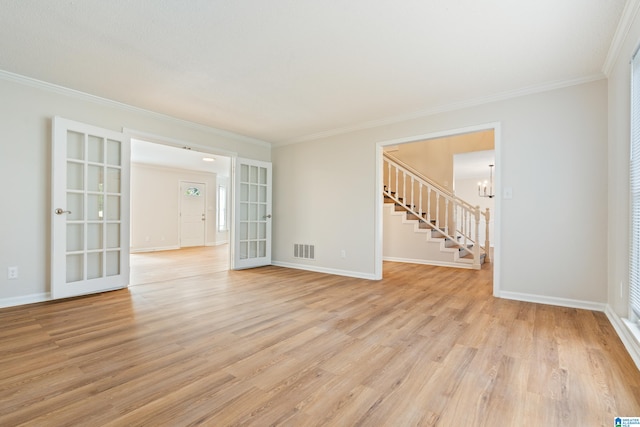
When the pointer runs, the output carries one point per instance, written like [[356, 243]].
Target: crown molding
[[629, 13], [530, 90], [65, 91]]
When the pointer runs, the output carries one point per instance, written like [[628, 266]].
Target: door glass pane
[[94, 236], [253, 230], [253, 175], [253, 212], [75, 237], [262, 212], [75, 145], [253, 193], [262, 248], [94, 265], [244, 211], [244, 192], [244, 231], [95, 207], [113, 152], [262, 230], [75, 176], [113, 208], [75, 205], [95, 178], [263, 176], [75, 268], [113, 236], [244, 250], [113, 180], [96, 149], [262, 197], [253, 249], [244, 173], [113, 263]]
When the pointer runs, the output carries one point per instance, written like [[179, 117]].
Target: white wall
[[155, 207], [26, 111], [325, 192]]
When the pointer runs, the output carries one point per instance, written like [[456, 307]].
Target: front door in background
[[192, 213]]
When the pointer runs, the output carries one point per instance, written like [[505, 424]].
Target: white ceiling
[[163, 155], [287, 70]]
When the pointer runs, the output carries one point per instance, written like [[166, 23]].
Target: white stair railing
[[451, 216]]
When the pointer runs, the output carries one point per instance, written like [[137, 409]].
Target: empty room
[[365, 213]]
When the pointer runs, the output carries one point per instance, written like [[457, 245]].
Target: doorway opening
[[179, 224], [452, 162]]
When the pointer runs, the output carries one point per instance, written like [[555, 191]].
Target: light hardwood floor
[[274, 346]]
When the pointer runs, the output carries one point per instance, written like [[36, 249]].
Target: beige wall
[[26, 111], [434, 157], [325, 192]]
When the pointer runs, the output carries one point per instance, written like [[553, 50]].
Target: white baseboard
[[562, 302], [425, 262], [625, 330], [316, 269], [25, 299]]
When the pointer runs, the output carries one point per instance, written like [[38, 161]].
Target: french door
[[90, 209], [251, 227]]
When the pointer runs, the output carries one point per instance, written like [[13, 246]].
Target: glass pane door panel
[[94, 236], [262, 248], [75, 145], [113, 208], [113, 236], [244, 173], [253, 230], [244, 211], [253, 249], [94, 265], [95, 178], [244, 250], [113, 153], [244, 231], [253, 212], [263, 176], [75, 176], [113, 263], [75, 268], [96, 149], [75, 237], [76, 206], [113, 180], [95, 207], [253, 175]]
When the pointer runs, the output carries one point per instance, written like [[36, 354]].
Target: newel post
[[476, 246], [487, 243]]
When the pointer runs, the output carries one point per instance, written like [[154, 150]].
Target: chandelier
[[483, 191]]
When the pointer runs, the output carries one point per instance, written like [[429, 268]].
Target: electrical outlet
[[343, 253], [12, 272]]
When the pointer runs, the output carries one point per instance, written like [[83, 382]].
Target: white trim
[[333, 271], [379, 203], [629, 334], [426, 262], [61, 90], [176, 143], [25, 299], [561, 302], [629, 13], [502, 96], [217, 243]]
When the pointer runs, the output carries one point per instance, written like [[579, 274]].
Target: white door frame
[[378, 233], [176, 143]]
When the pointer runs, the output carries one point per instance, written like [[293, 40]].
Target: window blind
[[634, 173]]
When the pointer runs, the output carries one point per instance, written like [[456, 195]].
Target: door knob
[[61, 211]]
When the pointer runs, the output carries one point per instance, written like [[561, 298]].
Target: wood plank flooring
[[274, 346]]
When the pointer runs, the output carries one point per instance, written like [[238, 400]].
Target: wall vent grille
[[304, 251]]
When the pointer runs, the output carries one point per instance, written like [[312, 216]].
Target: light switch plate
[[507, 193]]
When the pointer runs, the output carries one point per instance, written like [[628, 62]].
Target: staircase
[[430, 225]]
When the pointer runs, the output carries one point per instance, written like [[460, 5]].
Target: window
[[634, 174], [222, 208]]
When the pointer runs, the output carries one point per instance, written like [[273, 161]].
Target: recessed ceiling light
[[208, 159]]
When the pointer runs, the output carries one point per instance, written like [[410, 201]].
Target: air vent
[[304, 251]]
